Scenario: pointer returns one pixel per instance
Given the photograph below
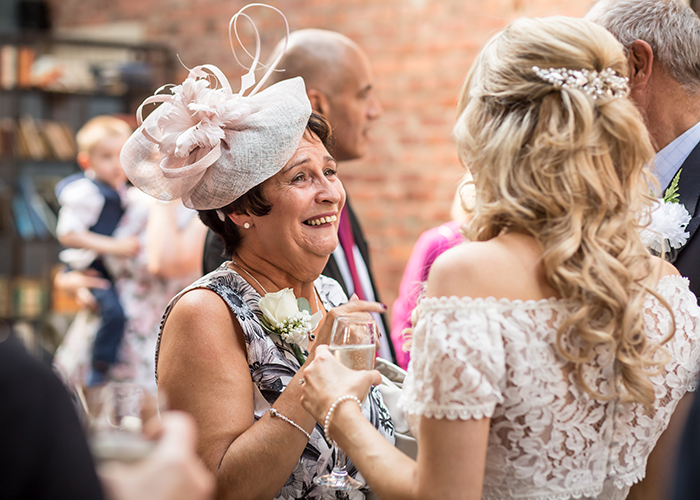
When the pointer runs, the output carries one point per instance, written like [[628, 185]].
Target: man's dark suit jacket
[[214, 247], [687, 484]]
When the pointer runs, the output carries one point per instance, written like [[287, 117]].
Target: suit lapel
[[689, 192], [689, 182]]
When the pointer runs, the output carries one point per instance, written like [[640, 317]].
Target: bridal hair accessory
[[668, 220], [327, 421], [209, 146], [593, 83]]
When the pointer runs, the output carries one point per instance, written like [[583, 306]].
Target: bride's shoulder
[[487, 268], [663, 268]]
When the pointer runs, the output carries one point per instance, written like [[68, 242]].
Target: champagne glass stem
[[341, 462]]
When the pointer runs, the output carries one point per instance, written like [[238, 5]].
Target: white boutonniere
[[668, 220], [290, 318]]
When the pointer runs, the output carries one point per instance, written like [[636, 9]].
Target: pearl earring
[[246, 225]]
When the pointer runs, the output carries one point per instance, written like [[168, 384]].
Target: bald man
[[339, 83]]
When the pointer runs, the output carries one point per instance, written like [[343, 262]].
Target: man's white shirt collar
[[671, 158]]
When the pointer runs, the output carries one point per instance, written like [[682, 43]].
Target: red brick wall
[[420, 50]]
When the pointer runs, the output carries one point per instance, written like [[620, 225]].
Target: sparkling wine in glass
[[116, 415], [353, 343]]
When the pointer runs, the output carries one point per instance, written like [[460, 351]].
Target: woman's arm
[[203, 370], [451, 453], [173, 252]]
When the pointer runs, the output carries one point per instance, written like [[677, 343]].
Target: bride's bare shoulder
[[507, 266]]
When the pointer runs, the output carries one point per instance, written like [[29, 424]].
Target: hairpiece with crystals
[[593, 83]]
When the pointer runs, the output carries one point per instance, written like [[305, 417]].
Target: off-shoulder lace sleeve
[[457, 367], [685, 347]]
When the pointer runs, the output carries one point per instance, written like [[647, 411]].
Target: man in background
[[340, 86], [662, 38]]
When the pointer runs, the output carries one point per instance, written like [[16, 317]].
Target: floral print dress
[[272, 365]]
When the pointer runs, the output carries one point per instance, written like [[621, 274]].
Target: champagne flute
[[353, 343], [117, 412]]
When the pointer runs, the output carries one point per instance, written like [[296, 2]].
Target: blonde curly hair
[[571, 172]]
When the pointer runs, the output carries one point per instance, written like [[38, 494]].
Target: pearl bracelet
[[327, 422], [277, 414]]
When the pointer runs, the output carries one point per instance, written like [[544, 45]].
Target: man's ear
[[83, 160], [319, 101], [641, 60]]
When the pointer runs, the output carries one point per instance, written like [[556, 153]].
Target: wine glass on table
[[353, 343], [117, 413]]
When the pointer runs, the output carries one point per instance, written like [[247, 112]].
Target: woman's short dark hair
[[254, 202]]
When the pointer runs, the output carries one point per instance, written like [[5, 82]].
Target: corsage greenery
[[668, 220], [290, 318]]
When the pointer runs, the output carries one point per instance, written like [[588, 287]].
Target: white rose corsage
[[668, 220], [290, 318]]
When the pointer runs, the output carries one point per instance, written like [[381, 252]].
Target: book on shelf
[[25, 61], [42, 217], [8, 67], [5, 297], [29, 297], [22, 217], [60, 139], [33, 144], [32, 139], [7, 138], [6, 223]]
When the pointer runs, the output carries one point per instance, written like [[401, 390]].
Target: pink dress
[[430, 244]]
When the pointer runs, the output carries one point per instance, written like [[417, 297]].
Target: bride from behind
[[550, 352]]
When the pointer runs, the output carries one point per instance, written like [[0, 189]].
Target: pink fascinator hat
[[208, 145]]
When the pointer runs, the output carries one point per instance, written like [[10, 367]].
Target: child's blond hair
[[99, 128]]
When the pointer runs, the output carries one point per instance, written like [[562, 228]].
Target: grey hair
[[670, 27]]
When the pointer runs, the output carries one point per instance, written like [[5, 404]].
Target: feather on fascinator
[[209, 146]]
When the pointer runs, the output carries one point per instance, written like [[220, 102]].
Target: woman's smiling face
[[306, 198]]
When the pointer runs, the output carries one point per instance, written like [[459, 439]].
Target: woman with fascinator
[[231, 345], [553, 352]]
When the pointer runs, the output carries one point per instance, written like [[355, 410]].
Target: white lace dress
[[549, 440]]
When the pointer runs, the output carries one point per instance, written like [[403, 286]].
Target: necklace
[[318, 307]]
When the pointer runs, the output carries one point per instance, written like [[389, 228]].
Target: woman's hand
[[326, 379], [353, 307]]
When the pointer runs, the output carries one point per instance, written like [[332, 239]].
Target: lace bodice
[[474, 358]]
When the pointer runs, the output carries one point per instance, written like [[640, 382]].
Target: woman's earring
[[246, 225]]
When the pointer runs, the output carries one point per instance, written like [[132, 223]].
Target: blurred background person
[[92, 205], [430, 244], [169, 239]]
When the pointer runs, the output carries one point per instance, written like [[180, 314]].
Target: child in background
[[91, 207]]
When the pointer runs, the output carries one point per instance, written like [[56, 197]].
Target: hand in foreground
[[353, 307], [326, 379], [172, 471]]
